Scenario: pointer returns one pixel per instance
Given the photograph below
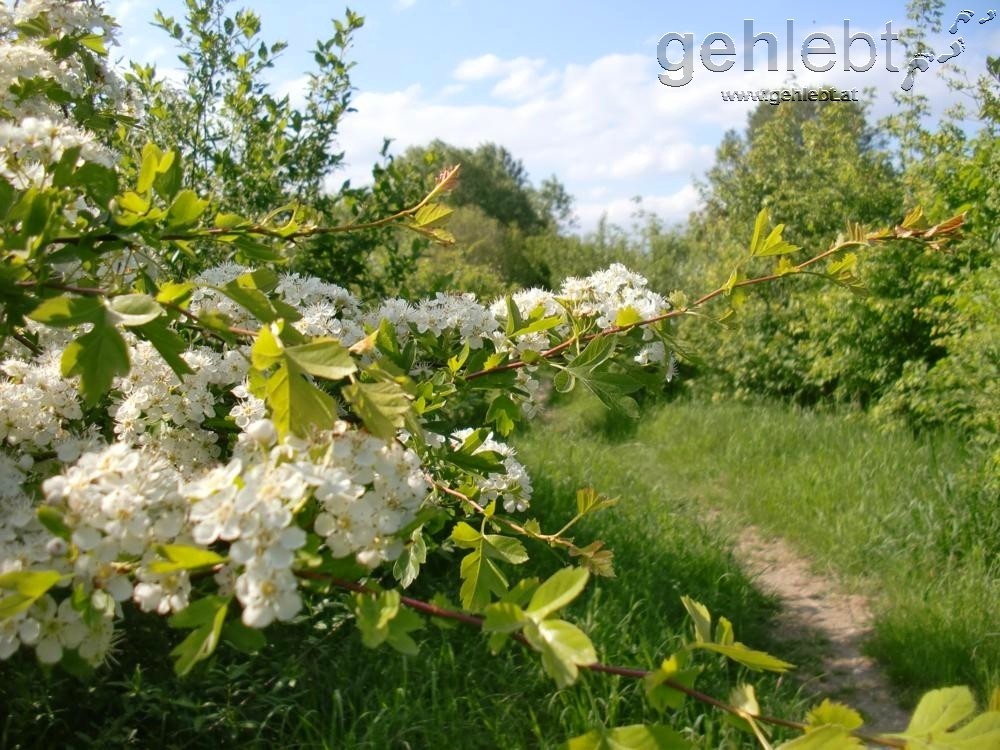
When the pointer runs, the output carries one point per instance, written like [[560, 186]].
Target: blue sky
[[571, 88]]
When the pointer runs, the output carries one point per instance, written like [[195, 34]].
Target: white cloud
[[607, 128], [673, 207], [404, 4]]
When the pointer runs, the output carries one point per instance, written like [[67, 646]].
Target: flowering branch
[[945, 230], [434, 610]]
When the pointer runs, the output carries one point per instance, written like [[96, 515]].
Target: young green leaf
[[662, 696], [407, 565], [200, 644], [323, 358], [756, 660], [824, 738], [632, 737], [831, 712], [503, 413], [183, 557], [296, 404], [563, 646], [702, 619], [65, 311], [556, 592], [504, 617], [940, 710], [759, 228], [381, 406], [97, 357], [186, 209], [134, 309]]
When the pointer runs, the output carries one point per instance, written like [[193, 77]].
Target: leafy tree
[[260, 153], [810, 165]]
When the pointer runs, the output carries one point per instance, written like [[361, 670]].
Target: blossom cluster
[[172, 486]]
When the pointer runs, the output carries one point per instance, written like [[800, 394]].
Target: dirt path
[[817, 612]]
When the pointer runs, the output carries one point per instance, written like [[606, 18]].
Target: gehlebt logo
[[858, 51]]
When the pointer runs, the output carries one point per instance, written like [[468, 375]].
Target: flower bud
[[262, 431]]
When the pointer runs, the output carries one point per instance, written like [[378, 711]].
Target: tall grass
[[887, 512]]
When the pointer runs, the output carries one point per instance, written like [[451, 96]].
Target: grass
[[315, 686], [887, 512]]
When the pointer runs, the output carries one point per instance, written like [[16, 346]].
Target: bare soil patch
[[818, 616]]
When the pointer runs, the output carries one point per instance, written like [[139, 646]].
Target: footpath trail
[[817, 615]]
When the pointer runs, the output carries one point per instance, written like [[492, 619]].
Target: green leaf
[[724, 632], [939, 710], [99, 182], [831, 712], [400, 627], [135, 309], [481, 577], [544, 324], [52, 519], [431, 214], [610, 388], [267, 350], [755, 660], [296, 404], [824, 738], [197, 613], [173, 293], [632, 737], [14, 604], [147, 170], [168, 343], [589, 500], [455, 363], [169, 175], [558, 591], [504, 617], [775, 245], [514, 320], [254, 301], [200, 644], [382, 619], [66, 311], [597, 352], [564, 381], [503, 413], [324, 358], [186, 209], [563, 646], [504, 548], [407, 565], [759, 228], [982, 733], [27, 586], [183, 557], [702, 619], [244, 639], [95, 43], [662, 696], [97, 357], [381, 406]]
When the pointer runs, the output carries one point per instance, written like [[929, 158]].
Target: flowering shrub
[[218, 449]]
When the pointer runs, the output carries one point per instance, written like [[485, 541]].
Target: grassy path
[[880, 511], [818, 617]]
